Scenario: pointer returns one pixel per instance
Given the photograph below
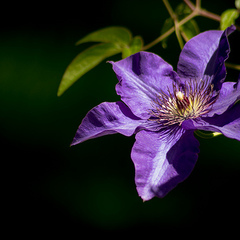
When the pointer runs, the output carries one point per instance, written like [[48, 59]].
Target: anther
[[173, 107], [180, 95]]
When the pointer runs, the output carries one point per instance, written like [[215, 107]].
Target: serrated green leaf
[[228, 18], [84, 62], [189, 29], [118, 35], [135, 46], [237, 4]]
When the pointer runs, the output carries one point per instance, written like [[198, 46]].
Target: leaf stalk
[[196, 11]]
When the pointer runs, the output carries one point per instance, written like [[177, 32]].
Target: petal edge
[[160, 165], [107, 118]]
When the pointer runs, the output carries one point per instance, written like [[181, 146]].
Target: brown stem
[[159, 39], [190, 5], [201, 11], [210, 15]]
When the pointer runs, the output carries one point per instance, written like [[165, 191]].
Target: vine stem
[[174, 17], [159, 39], [196, 11], [170, 31]]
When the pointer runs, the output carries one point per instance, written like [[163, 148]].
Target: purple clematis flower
[[164, 108]]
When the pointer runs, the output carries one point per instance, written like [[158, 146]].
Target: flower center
[[182, 103]]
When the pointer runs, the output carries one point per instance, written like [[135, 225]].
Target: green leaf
[[228, 18], [84, 62], [189, 30], [126, 52], [135, 46], [182, 10], [168, 23], [237, 4], [118, 35]]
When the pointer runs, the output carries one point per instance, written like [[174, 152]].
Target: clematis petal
[[161, 164], [228, 95], [107, 118], [204, 56], [141, 77], [227, 123]]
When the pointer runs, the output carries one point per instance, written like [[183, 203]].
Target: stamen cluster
[[189, 101]]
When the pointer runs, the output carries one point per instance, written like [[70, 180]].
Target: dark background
[[90, 188]]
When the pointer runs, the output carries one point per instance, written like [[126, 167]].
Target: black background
[[50, 188]]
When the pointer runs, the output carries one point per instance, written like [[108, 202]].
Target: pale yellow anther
[[180, 95]]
